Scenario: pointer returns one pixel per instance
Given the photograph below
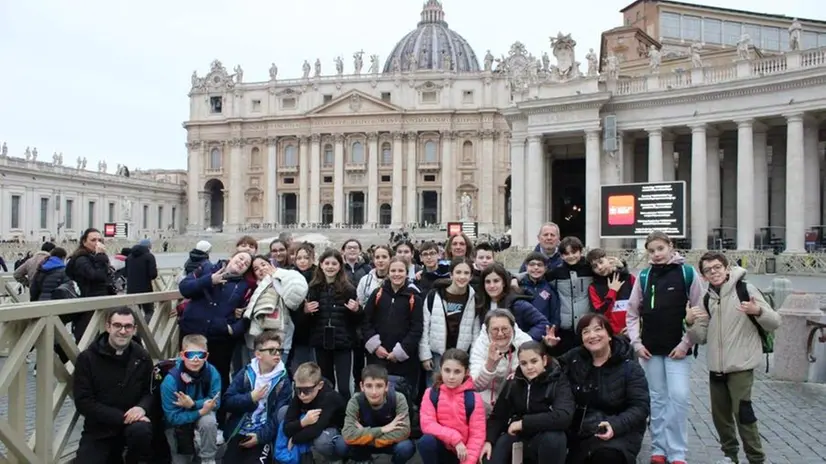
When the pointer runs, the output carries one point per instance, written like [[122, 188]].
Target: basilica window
[[809, 40], [692, 28], [670, 25], [215, 158], [255, 157], [288, 103], [329, 157], [327, 214], [15, 211], [754, 32], [467, 152], [44, 213], [771, 38], [386, 154], [291, 156], [712, 31], [385, 214], [731, 33], [430, 152], [357, 153], [216, 104]]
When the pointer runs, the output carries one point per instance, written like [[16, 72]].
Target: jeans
[[401, 452], [433, 450], [206, 440], [436, 360], [336, 366], [669, 386], [330, 445]]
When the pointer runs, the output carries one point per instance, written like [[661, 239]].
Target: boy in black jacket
[[323, 410]]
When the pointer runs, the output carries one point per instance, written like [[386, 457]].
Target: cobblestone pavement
[[791, 420]]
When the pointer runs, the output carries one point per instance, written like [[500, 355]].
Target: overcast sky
[[109, 79]]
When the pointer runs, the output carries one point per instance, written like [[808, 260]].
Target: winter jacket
[[196, 259], [332, 407], [50, 275], [528, 318], [302, 321], [265, 311], [572, 282], [25, 272], [370, 433], [733, 341], [176, 416], [545, 298], [612, 304], [665, 320], [543, 404], [551, 262], [211, 309], [141, 270], [355, 272], [447, 421], [489, 384], [427, 279], [107, 385], [91, 272], [393, 320], [616, 392], [238, 402], [368, 283], [332, 312], [434, 323]]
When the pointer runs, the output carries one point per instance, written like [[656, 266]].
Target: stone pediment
[[354, 102]]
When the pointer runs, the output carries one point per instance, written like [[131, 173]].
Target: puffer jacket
[[434, 323], [528, 318], [447, 421], [368, 283], [572, 282], [211, 309], [393, 320], [92, 273], [332, 313], [734, 344], [489, 384], [616, 392], [50, 275], [543, 404]]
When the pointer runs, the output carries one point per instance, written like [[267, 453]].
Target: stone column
[[745, 185], [655, 155], [448, 187], [761, 182], [487, 200], [193, 179], [811, 162], [397, 208], [669, 169], [237, 208], [628, 143], [534, 185], [411, 181], [795, 187], [373, 179], [713, 182], [271, 213], [312, 213], [518, 212], [699, 189], [338, 180], [593, 153]]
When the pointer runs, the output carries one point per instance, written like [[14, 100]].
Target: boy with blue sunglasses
[[190, 395]]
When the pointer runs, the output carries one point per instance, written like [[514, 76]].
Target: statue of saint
[[34, 154], [5, 150], [795, 31], [306, 69], [239, 74], [654, 59], [467, 206], [339, 66], [358, 61], [374, 64], [593, 63], [488, 61], [273, 72], [744, 47], [28, 153], [317, 67]]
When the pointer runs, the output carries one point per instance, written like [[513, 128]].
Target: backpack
[[66, 291], [688, 279], [470, 401], [412, 298], [766, 338]]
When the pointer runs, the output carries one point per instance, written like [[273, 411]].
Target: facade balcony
[[355, 167], [287, 169], [429, 166], [213, 172]]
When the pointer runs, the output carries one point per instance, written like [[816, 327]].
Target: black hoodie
[[332, 407], [196, 259]]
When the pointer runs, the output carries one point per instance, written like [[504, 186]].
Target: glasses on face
[[195, 355], [500, 330], [118, 326], [428, 254], [272, 351], [714, 269], [304, 391]]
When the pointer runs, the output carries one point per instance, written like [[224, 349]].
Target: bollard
[[817, 369], [791, 361], [780, 289]]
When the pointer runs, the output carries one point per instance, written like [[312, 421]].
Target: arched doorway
[[508, 201], [568, 196], [327, 214], [385, 214], [355, 208], [289, 208], [215, 203], [430, 207]]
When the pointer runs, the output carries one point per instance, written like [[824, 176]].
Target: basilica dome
[[430, 43]]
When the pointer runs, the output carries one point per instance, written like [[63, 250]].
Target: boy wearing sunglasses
[[190, 393], [257, 400]]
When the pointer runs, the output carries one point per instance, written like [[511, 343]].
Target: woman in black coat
[[535, 408], [89, 267], [611, 393]]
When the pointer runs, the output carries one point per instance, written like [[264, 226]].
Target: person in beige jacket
[[25, 273], [734, 350]]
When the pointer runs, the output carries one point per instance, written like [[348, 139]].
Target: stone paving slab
[[791, 419]]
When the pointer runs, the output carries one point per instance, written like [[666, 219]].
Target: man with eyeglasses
[[257, 400], [111, 390]]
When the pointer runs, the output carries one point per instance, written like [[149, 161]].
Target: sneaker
[[658, 459]]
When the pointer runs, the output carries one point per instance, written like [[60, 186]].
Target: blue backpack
[[283, 454], [470, 401]]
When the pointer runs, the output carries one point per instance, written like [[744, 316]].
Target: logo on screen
[[621, 210]]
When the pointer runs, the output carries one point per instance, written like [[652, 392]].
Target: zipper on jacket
[[653, 291], [528, 399]]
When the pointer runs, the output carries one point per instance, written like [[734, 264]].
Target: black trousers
[[543, 447], [358, 365], [136, 438], [237, 454], [605, 456], [336, 366]]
